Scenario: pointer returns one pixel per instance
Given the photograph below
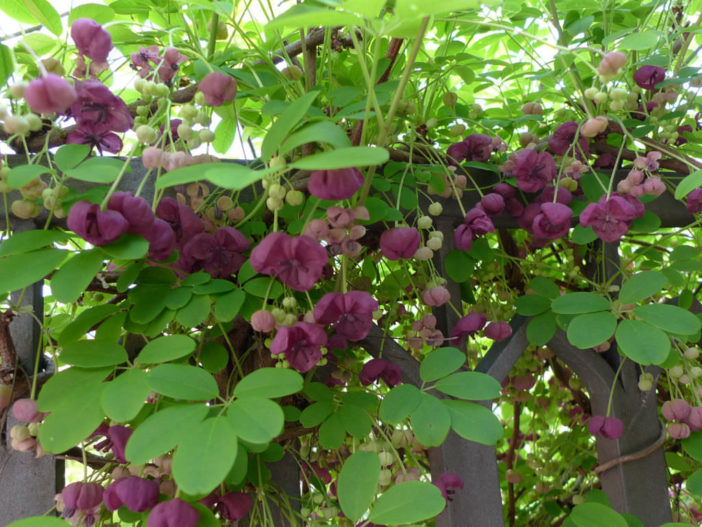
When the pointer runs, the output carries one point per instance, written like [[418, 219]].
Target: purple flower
[[83, 499], [218, 88], [607, 427], [553, 221], [351, 314], [116, 438], [335, 184], [137, 494], [91, 39], [564, 137], [96, 226], [436, 296], [694, 201], [174, 513], [611, 218], [233, 506], [50, 94], [162, 240], [97, 104], [498, 331], [492, 203], [296, 261], [648, 76], [533, 170], [564, 196], [95, 135], [475, 147], [400, 242], [301, 345], [475, 224], [447, 482], [169, 67], [182, 219], [463, 238], [219, 255], [676, 410], [468, 326], [136, 211], [376, 369], [141, 59]]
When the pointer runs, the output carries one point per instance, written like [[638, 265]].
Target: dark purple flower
[[463, 238], [553, 221], [97, 104], [136, 210], [376, 369], [174, 513], [498, 331], [218, 88], [351, 314], [564, 196], [563, 138], [338, 184], [526, 219], [116, 438], [479, 222], [605, 160], [457, 152], [468, 326], [91, 39], [533, 170], [611, 218], [82, 497], [297, 261], [182, 219], [137, 494], [447, 482], [647, 77], [475, 147], [694, 201], [95, 135], [400, 242], [169, 66], [219, 255], [639, 112], [50, 94], [687, 128], [162, 240], [96, 226], [301, 345], [607, 427], [232, 507], [492, 203]]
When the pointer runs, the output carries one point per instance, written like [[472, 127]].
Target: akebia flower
[[376, 369], [137, 494], [50, 94], [492, 203], [447, 482], [694, 201], [475, 147], [400, 242], [174, 513], [676, 410], [647, 77], [95, 135], [301, 344], [351, 314], [498, 331], [233, 506], [476, 223], [611, 218], [169, 64], [468, 326], [553, 221], [436, 296], [607, 427], [611, 63], [296, 261], [116, 438], [161, 238], [82, 502], [338, 184], [91, 39], [218, 88], [563, 140], [182, 219], [136, 210], [141, 60], [533, 170], [218, 254], [96, 226], [26, 410], [97, 104]]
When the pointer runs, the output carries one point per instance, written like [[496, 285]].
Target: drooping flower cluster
[[684, 418], [350, 314], [475, 147], [424, 331], [81, 502], [340, 232], [144, 61], [155, 158], [612, 217], [218, 88], [135, 493], [301, 344], [634, 183], [475, 224], [93, 42]]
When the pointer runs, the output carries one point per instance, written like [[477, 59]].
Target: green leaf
[[352, 156], [269, 383], [583, 235], [164, 349], [591, 329], [124, 397], [642, 342], [177, 298], [227, 306], [316, 413], [45, 14], [474, 422], [255, 419], [65, 387], [318, 392], [430, 421], [420, 8], [688, 184], [40, 521], [530, 305], [286, 121], [100, 13], [69, 156], [693, 445], [22, 242], [356, 421], [74, 276], [205, 456], [399, 402], [440, 363], [224, 135], [694, 483], [472, 385], [128, 247], [320, 132], [302, 15], [459, 266], [544, 287], [642, 285], [596, 515], [368, 8], [358, 484], [162, 431], [93, 354], [213, 357], [17, 9], [670, 318], [7, 66], [408, 502], [576, 303], [98, 170], [640, 40], [233, 176], [182, 381], [262, 285], [541, 328], [195, 313], [23, 174], [20, 270], [332, 432]]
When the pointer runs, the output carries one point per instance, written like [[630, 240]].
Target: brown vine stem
[[604, 467]]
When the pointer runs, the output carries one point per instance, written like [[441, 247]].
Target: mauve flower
[[297, 261], [523, 382], [611, 63], [97, 104], [676, 410], [463, 238], [436, 296], [169, 66], [611, 218], [116, 438], [564, 196], [607, 427], [447, 482], [605, 160], [338, 184], [50, 94], [475, 147], [174, 513], [218, 88], [218, 254], [533, 170], [136, 210], [479, 222], [96, 226], [162, 240], [468, 326], [263, 321], [81, 496], [233, 506], [647, 77], [694, 420], [137, 494], [492, 203], [400, 242], [563, 138], [141, 59], [91, 39], [498, 331], [301, 345], [679, 430], [376, 369], [694, 201], [457, 152], [553, 221], [182, 219], [95, 135], [351, 314]]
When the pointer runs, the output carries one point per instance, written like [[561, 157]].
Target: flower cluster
[[80, 502], [231, 506], [611, 217], [424, 331], [218, 88], [301, 344], [350, 314], [144, 61], [475, 147], [475, 224], [684, 419], [340, 232], [93, 42]]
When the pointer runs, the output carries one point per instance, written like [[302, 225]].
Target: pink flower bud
[[493, 203], [50, 94], [263, 321], [607, 427], [152, 158], [523, 382], [429, 321], [91, 39], [694, 420], [611, 63], [637, 191], [436, 296], [676, 410], [593, 127], [317, 229], [624, 186], [218, 88], [498, 331], [678, 430], [654, 186], [25, 410]]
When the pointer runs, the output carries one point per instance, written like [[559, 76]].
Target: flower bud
[[295, 198], [457, 130], [532, 108], [424, 254], [593, 127], [678, 430], [676, 410], [434, 243], [292, 73], [263, 321], [435, 208], [424, 222], [450, 99]]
